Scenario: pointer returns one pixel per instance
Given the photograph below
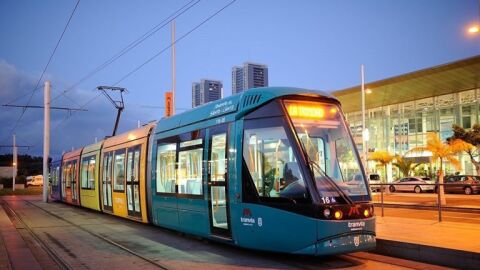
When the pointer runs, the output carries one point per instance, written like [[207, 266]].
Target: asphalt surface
[[62, 236]]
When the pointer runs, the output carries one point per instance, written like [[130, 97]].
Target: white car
[[413, 184], [36, 180], [374, 181]]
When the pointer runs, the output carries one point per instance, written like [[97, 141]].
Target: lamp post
[[365, 134]]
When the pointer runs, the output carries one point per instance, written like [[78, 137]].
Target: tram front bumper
[[341, 244]]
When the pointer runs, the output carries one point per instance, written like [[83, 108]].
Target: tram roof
[[92, 147], [129, 136], [238, 104], [444, 79], [72, 154]]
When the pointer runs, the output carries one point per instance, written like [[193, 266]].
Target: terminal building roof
[[448, 78]]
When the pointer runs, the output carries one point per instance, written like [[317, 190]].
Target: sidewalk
[[451, 244], [14, 252]]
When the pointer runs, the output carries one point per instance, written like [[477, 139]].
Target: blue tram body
[[271, 169], [54, 181], [221, 208]]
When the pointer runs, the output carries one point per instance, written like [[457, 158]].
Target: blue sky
[[311, 44]]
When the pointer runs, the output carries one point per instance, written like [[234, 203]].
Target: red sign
[[168, 104]]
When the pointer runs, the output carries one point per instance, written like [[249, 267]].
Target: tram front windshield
[[329, 150]]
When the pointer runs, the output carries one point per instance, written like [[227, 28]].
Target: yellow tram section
[[128, 173], [89, 171]]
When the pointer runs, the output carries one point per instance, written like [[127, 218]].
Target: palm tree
[[443, 152], [405, 165], [383, 158]]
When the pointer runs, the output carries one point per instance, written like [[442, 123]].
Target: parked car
[[36, 180], [412, 184], [467, 184], [374, 182]]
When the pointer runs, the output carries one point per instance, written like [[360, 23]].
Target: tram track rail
[[13, 215], [345, 260], [62, 263]]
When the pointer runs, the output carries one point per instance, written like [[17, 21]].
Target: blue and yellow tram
[[271, 169]]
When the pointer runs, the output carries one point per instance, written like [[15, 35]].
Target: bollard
[[381, 196], [439, 203]]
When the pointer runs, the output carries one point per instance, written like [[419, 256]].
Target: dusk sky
[[309, 44]]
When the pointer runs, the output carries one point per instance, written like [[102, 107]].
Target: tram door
[[133, 184], [217, 182], [74, 185], [107, 182]]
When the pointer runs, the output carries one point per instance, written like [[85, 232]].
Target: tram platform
[[451, 244]]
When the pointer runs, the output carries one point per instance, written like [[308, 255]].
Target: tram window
[[217, 157], [84, 175], [190, 171], [165, 169], [119, 171], [272, 163], [68, 175], [88, 173], [133, 163]]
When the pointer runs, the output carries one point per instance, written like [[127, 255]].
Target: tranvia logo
[[355, 226], [259, 222], [353, 211], [247, 219]]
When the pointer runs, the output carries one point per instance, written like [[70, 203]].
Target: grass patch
[[26, 191]]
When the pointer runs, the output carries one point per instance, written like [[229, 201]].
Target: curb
[[428, 207], [428, 254]]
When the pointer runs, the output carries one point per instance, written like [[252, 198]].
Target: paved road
[[82, 239], [453, 200]]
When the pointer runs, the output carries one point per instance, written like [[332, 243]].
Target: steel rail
[[113, 243], [51, 253]]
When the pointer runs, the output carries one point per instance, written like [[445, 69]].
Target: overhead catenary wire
[[44, 69], [133, 44], [175, 42], [146, 62]]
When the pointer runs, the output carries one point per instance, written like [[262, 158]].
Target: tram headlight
[[326, 212], [338, 214], [366, 212]]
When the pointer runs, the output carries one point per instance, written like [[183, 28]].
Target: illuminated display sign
[[310, 110]]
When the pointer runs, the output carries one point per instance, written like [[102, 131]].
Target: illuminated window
[[119, 171], [165, 169]]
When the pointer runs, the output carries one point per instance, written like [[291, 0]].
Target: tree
[[405, 165], [472, 137], [383, 158], [443, 152]]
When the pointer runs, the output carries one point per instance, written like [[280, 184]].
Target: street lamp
[[365, 133]]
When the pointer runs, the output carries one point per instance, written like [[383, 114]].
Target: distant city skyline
[[250, 75], [207, 90]]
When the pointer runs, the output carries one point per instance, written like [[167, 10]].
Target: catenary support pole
[[173, 69], [14, 163], [46, 138]]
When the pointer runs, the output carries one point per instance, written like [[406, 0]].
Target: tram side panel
[[70, 177], [89, 171], [123, 174]]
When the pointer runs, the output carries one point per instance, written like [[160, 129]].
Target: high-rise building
[[251, 75], [206, 91]]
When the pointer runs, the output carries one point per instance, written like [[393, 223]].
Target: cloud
[[68, 129]]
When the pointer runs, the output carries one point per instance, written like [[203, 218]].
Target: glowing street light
[[474, 29]]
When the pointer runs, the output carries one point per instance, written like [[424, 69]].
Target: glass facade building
[[402, 110]]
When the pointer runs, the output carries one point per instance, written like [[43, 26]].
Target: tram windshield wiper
[[331, 181]]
